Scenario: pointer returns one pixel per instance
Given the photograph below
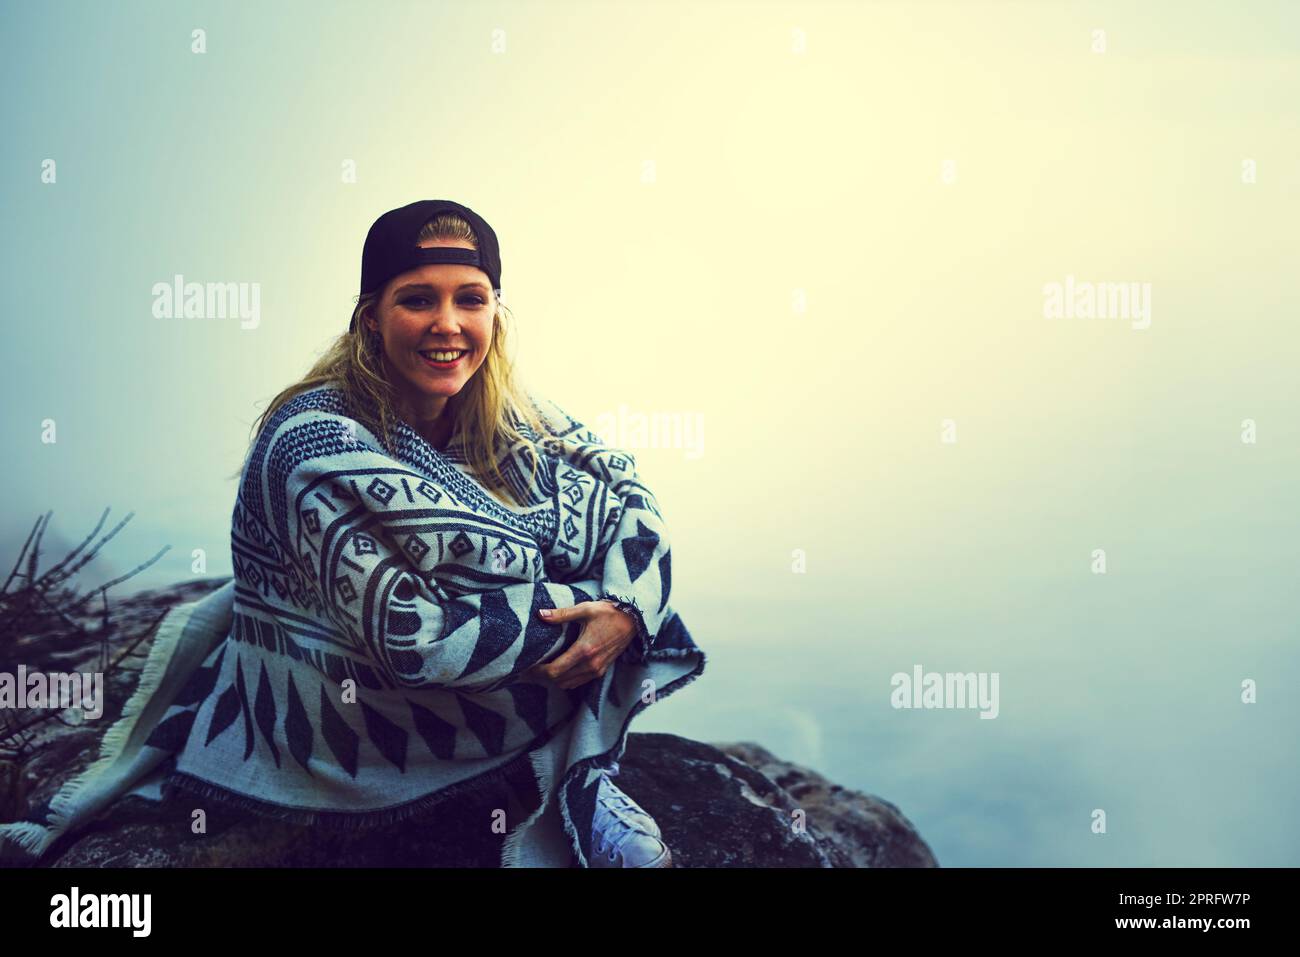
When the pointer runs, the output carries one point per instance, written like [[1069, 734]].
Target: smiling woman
[[433, 292], [443, 583]]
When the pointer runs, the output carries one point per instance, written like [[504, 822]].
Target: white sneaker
[[623, 834]]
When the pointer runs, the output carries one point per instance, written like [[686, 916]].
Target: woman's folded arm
[[637, 569], [376, 536]]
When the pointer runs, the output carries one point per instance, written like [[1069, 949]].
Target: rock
[[729, 805], [736, 805], [864, 830], [715, 810]]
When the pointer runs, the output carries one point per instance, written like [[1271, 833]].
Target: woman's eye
[[418, 302]]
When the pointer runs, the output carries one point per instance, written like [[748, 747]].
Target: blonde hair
[[486, 412]]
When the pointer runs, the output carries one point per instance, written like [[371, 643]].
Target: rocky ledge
[[719, 805]]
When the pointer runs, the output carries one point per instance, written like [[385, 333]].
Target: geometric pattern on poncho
[[395, 572]]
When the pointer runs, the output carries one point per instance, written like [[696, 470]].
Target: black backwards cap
[[391, 247]]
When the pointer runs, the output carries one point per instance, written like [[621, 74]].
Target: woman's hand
[[606, 632]]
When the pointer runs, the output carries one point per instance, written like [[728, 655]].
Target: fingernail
[[546, 613]]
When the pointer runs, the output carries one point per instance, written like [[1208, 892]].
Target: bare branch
[[131, 647], [13, 574], [54, 576], [59, 574], [116, 581]]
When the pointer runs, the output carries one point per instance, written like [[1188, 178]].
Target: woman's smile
[[443, 358]]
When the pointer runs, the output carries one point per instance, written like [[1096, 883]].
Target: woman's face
[[428, 309]]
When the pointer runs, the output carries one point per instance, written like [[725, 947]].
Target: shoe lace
[[616, 804]]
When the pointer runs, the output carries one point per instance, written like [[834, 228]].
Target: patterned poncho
[[368, 658]]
